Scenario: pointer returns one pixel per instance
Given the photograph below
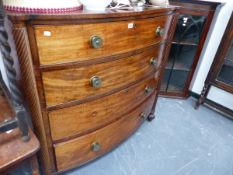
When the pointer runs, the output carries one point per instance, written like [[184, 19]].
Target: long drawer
[[69, 43], [61, 86], [83, 149], [81, 119]]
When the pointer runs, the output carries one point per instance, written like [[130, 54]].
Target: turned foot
[[198, 103], [151, 117], [204, 92]]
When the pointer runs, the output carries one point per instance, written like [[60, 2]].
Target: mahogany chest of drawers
[[90, 80]]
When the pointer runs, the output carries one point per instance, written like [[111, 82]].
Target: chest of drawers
[[90, 80]]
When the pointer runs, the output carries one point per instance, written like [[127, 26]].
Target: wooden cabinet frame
[[220, 56], [197, 8]]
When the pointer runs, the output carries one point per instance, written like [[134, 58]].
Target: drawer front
[[83, 149], [69, 43], [67, 85], [90, 116]]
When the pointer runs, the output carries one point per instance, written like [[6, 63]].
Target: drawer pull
[[160, 31], [153, 61], [96, 42], [148, 90], [95, 147], [96, 82], [143, 116]]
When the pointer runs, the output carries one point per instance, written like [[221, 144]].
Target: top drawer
[[82, 42]]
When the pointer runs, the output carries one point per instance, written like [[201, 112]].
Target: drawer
[[69, 43], [87, 117], [88, 147], [61, 86]]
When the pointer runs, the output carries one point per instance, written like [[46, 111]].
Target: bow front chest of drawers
[[90, 80]]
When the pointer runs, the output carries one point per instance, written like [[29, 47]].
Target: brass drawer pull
[[95, 147], [148, 90], [96, 42], [153, 61], [96, 82], [160, 31], [143, 116]]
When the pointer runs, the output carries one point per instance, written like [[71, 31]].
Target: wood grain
[[30, 91], [63, 86], [78, 151], [59, 79], [6, 111], [71, 43], [14, 150], [87, 117]]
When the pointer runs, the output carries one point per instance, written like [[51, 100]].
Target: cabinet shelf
[[188, 43], [228, 62], [178, 67]]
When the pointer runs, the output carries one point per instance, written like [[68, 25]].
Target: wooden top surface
[[6, 111], [82, 14], [13, 150]]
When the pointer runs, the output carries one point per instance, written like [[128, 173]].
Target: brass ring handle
[[160, 31], [96, 42], [153, 61], [143, 115], [148, 90], [96, 82], [95, 147]]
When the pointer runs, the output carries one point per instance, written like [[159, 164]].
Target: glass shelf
[[229, 62], [184, 43]]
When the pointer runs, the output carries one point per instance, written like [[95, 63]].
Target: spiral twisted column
[[16, 96]]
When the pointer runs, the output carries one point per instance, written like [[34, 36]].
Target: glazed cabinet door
[[182, 54]]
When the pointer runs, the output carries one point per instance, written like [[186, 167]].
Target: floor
[[181, 141]]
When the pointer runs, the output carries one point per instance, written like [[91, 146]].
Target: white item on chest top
[[95, 5]]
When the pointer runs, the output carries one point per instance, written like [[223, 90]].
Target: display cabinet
[[221, 71], [192, 27]]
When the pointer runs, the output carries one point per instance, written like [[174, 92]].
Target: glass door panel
[[226, 73], [189, 29], [182, 54]]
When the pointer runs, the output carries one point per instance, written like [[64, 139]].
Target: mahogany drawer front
[[69, 43], [83, 149], [90, 116], [61, 86]]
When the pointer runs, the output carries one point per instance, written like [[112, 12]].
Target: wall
[[218, 27]]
